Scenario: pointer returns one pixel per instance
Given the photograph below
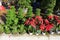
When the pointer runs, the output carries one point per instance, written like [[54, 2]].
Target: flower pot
[[43, 33], [52, 32], [58, 32], [30, 33], [37, 34]]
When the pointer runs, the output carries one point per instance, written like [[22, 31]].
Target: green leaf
[[14, 31], [20, 13], [38, 12], [1, 29], [16, 21], [7, 30]]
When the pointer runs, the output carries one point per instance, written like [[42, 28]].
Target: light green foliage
[[29, 13], [1, 28], [38, 12], [11, 20], [14, 29], [20, 13], [21, 28], [7, 29], [11, 16]]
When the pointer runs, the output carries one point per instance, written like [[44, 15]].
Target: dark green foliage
[[49, 11], [24, 3], [48, 5]]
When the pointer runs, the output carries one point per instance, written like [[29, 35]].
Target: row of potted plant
[[29, 23], [25, 21], [40, 24]]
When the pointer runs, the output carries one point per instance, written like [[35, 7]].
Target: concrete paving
[[28, 37]]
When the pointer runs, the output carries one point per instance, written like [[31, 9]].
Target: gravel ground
[[28, 37]]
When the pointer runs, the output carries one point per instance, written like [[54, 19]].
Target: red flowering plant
[[42, 27], [57, 24], [49, 27], [50, 18], [43, 24], [30, 22], [34, 22]]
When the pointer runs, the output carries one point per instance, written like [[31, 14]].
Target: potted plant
[[58, 29]]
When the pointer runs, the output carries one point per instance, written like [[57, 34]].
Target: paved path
[[28, 37]]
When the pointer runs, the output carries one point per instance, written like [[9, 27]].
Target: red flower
[[39, 18], [49, 27], [33, 19], [50, 17], [42, 27], [32, 23], [27, 21], [58, 21], [46, 21], [56, 17]]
